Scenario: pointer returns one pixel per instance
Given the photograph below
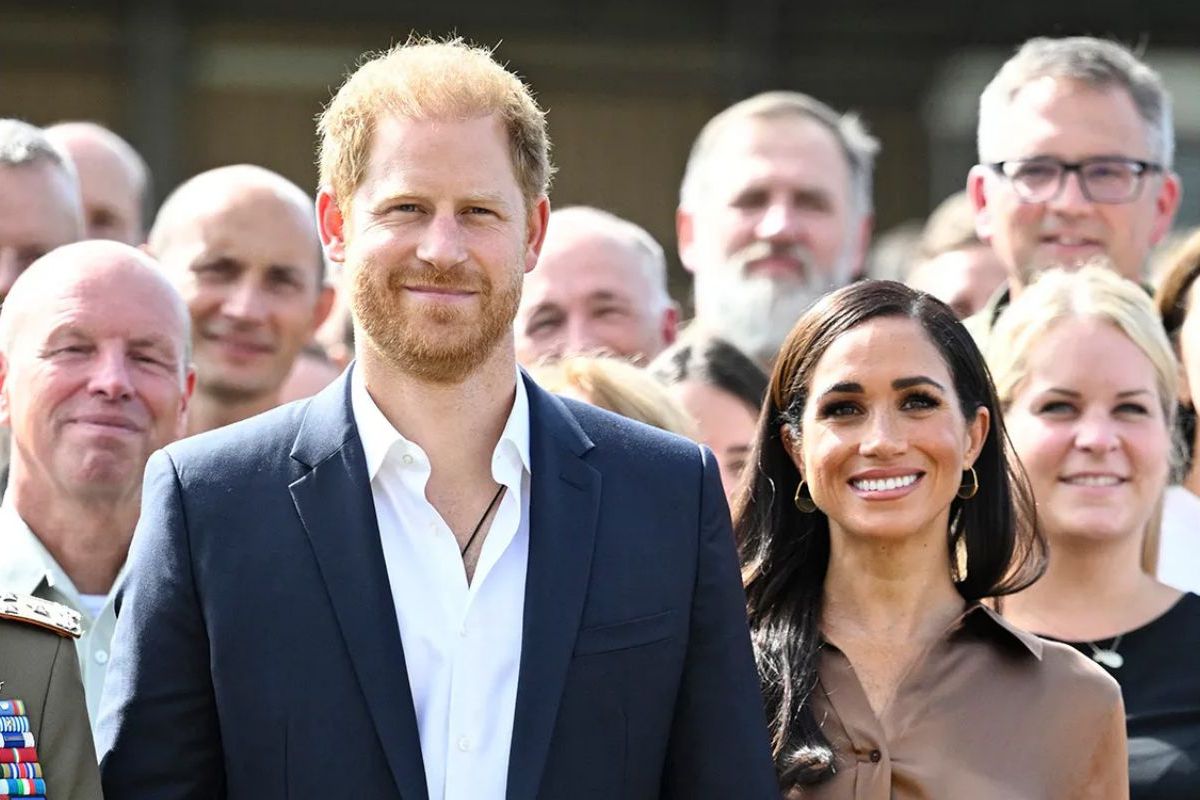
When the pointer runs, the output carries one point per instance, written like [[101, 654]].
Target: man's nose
[[1071, 197], [442, 242], [110, 375], [245, 301], [780, 222]]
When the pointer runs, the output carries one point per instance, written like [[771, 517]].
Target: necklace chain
[[479, 525]]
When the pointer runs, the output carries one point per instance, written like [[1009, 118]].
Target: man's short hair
[[22, 144], [1097, 63], [858, 146], [653, 262], [423, 79]]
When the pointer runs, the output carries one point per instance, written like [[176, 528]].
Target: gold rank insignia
[[42, 613]]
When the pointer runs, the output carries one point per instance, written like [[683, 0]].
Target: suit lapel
[[335, 504], [564, 505]]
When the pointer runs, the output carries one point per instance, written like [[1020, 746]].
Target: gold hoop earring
[[804, 503], [968, 490]]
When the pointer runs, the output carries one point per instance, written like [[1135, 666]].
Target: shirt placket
[[868, 742]]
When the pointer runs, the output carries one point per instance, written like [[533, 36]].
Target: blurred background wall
[[627, 84]]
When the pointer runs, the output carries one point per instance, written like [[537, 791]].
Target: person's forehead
[[791, 148], [880, 349], [115, 304], [103, 172], [463, 157], [1071, 120], [37, 205], [1090, 356], [255, 226], [577, 267]]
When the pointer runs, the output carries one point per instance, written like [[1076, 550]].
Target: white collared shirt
[[462, 643], [26, 567]]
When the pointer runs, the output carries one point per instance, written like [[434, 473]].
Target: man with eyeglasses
[[1075, 148]]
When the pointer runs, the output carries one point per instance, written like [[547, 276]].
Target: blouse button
[[876, 756]]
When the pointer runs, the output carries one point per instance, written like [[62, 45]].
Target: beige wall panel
[[274, 129]]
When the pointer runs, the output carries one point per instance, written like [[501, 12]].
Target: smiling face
[[247, 263], [94, 380], [1070, 121], [1087, 424], [883, 442], [436, 240]]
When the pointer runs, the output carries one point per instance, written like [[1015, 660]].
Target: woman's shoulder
[[1064, 669], [1045, 672]]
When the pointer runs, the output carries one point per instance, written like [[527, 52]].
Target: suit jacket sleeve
[[65, 738], [719, 746], [158, 735]]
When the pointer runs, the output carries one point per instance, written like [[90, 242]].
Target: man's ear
[[5, 411], [685, 237], [1170, 193], [331, 225], [669, 327], [977, 194], [189, 386], [324, 305], [535, 233]]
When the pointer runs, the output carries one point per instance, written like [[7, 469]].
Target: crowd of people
[[419, 489]]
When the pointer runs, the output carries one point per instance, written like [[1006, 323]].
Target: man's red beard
[[439, 344]]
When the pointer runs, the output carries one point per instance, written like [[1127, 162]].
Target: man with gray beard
[[774, 211]]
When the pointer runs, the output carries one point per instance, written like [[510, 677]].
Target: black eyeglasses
[[1102, 180]]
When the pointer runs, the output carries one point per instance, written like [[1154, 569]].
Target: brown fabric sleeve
[[1107, 774]]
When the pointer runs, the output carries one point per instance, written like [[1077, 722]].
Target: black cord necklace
[[479, 525]]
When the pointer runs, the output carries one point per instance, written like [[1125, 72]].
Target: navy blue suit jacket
[[257, 653]]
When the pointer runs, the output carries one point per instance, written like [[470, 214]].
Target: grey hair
[[857, 144], [1097, 63], [634, 236], [22, 143]]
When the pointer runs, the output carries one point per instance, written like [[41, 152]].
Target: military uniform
[[28, 568], [47, 743]]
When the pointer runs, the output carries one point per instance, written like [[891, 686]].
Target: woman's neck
[[1093, 589], [889, 590]]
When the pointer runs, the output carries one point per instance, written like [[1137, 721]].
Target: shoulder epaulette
[[42, 613]]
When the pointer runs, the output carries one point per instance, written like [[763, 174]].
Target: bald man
[[40, 204], [241, 244], [600, 285], [94, 377], [113, 178]]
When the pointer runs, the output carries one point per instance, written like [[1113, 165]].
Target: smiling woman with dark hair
[[882, 510]]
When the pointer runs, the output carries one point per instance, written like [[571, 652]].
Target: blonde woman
[[1087, 380]]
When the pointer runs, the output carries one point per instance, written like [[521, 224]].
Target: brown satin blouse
[[990, 712]]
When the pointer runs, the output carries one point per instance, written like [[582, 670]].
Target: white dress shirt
[[462, 643], [26, 567]]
